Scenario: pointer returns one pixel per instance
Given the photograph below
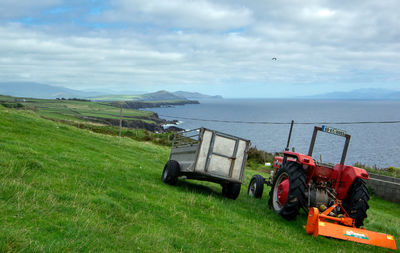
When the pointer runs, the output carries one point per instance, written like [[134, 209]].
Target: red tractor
[[338, 191], [299, 181]]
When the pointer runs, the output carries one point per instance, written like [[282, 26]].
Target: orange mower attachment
[[343, 228]]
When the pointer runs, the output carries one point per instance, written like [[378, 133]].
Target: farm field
[[159, 96], [69, 189], [76, 110]]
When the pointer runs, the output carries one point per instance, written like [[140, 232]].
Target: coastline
[[160, 123]]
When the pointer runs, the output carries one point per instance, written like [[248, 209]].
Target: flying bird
[[274, 59]]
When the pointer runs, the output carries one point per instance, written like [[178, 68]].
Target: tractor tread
[[356, 203], [296, 196]]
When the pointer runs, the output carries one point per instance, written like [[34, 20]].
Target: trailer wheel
[[171, 172], [231, 190], [356, 203], [256, 186], [287, 193]]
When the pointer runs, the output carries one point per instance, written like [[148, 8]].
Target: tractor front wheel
[[256, 186], [356, 203], [287, 193]]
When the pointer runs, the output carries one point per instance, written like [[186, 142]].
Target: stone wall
[[385, 187]]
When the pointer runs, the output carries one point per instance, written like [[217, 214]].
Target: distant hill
[[196, 95], [38, 90], [367, 93], [161, 95], [114, 92], [45, 91]]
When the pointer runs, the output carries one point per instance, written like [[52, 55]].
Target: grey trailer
[[208, 155]]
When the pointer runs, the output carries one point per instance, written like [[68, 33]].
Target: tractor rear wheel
[[171, 172], [356, 203], [256, 186], [287, 193]]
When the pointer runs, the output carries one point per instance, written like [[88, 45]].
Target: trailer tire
[[171, 172], [231, 190], [356, 203], [256, 187], [295, 195]]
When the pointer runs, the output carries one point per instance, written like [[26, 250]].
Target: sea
[[372, 144]]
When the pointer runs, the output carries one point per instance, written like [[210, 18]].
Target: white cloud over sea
[[221, 47]]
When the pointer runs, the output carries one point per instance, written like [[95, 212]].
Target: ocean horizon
[[373, 144]]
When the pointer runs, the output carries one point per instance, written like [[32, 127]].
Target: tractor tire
[[231, 190], [171, 172], [356, 203], [256, 187], [288, 205]]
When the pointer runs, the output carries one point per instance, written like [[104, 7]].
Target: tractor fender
[[348, 175], [295, 157], [300, 158], [277, 162]]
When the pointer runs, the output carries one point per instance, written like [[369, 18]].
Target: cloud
[[15, 9], [77, 60], [196, 14], [319, 45]]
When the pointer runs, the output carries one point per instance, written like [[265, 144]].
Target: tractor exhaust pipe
[[290, 136]]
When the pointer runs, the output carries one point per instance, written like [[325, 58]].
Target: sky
[[232, 48]]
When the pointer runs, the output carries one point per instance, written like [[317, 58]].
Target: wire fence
[[285, 123]]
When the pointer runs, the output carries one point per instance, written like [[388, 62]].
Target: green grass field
[[159, 96], [117, 98], [79, 110], [64, 189]]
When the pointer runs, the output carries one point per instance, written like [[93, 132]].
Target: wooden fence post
[[120, 120]]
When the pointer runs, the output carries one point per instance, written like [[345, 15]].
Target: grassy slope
[[66, 189], [117, 98], [75, 110]]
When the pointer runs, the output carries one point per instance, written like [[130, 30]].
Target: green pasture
[[65, 189]]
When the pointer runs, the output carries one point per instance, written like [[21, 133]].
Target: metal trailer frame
[[187, 147]]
